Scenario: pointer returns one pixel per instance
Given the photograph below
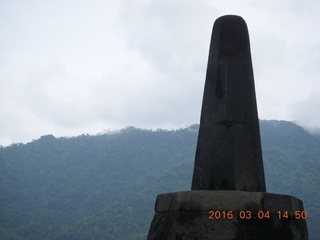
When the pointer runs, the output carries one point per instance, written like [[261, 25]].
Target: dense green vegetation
[[105, 186]]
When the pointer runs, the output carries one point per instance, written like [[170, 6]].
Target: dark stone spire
[[228, 155], [228, 179]]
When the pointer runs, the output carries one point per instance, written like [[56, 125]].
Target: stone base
[[236, 215]]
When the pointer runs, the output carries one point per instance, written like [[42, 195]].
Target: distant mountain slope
[[104, 186]]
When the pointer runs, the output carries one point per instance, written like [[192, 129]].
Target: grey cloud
[[71, 68]]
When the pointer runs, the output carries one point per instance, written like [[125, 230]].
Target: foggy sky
[[72, 67]]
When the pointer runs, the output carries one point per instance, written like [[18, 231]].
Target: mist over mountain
[[315, 133], [105, 186]]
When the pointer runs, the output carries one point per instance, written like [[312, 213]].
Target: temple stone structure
[[228, 199]]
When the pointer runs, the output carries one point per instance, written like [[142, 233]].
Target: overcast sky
[[72, 67]]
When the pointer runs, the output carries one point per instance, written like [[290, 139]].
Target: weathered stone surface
[[228, 177], [228, 155], [185, 215]]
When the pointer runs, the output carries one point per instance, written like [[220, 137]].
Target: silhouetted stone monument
[[228, 199], [228, 155]]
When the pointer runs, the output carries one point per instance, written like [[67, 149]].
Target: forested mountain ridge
[[104, 186]]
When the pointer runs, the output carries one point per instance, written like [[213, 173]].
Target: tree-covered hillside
[[105, 186]]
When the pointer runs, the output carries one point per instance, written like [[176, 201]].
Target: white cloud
[[72, 67], [306, 112]]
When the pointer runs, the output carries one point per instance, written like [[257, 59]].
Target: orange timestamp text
[[256, 215]]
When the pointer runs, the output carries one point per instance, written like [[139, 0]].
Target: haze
[[73, 67]]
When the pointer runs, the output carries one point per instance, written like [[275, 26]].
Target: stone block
[[227, 215]]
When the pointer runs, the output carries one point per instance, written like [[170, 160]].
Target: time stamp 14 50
[[256, 215]]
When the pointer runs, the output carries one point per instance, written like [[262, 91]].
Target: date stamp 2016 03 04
[[258, 215]]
